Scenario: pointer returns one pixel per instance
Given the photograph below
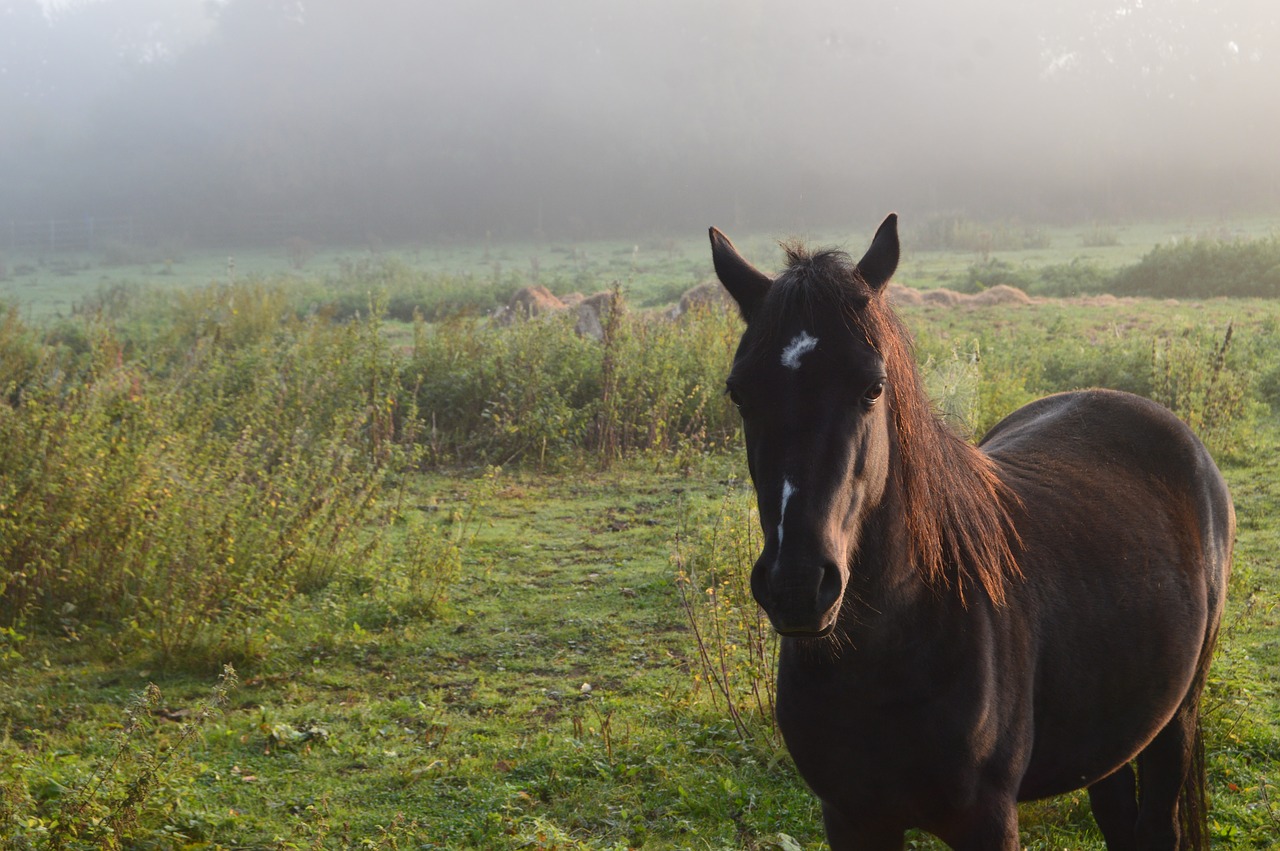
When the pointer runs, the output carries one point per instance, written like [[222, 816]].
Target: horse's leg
[[843, 835], [991, 826], [1114, 801], [1162, 769]]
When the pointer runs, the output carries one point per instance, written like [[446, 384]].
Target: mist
[[572, 118]]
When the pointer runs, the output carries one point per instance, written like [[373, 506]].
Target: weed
[[1191, 376], [737, 648], [128, 789]]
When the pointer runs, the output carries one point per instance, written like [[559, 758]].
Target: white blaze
[[788, 490], [804, 342]]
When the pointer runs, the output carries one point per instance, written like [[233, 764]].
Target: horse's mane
[[957, 509]]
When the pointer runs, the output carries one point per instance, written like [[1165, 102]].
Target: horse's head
[[811, 387]]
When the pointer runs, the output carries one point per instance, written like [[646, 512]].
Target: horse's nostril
[[830, 586]]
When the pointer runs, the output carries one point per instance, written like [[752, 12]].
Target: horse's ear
[[881, 259], [747, 284]]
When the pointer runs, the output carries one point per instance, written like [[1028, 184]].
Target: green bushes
[[538, 392], [1214, 381], [1205, 267], [181, 497], [176, 472], [408, 292]]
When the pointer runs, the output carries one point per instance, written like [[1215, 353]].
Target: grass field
[[555, 697], [655, 270]]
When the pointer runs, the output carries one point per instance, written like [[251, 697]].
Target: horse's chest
[[869, 739]]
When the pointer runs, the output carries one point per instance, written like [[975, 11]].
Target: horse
[[963, 627]]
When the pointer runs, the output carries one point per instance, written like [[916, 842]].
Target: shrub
[[1192, 376], [1079, 277], [1205, 267], [539, 392], [405, 292], [1099, 235], [992, 272], [186, 497]]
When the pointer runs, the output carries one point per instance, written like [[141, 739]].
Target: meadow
[[301, 551]]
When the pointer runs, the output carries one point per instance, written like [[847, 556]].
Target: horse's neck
[[887, 589]]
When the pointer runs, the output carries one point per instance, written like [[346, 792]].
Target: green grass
[[476, 726], [653, 270], [475, 730]]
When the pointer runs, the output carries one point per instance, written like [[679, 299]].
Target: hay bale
[[941, 297], [528, 303], [902, 295], [593, 313], [534, 301], [999, 294], [709, 295]]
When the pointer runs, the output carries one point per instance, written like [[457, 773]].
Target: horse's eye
[[874, 392]]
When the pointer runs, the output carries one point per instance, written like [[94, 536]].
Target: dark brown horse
[[968, 627]]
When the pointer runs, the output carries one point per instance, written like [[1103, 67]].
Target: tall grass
[[958, 232], [737, 647], [176, 471], [181, 492], [539, 393]]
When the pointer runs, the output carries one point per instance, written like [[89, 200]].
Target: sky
[[466, 117]]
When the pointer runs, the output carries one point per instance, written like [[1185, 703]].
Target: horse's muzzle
[[801, 600]]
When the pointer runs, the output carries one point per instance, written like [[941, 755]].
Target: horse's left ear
[[877, 265]]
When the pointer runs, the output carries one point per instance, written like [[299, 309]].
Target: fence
[[62, 235]]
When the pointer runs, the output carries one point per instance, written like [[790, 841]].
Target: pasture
[[483, 587]]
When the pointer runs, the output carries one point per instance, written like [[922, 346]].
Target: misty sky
[[457, 117]]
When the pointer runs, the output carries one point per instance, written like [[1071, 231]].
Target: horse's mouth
[[806, 633]]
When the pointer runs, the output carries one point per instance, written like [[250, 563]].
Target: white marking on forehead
[[788, 491], [804, 342]]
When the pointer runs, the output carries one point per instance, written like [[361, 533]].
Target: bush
[[992, 272], [182, 499], [1099, 235], [1079, 277], [405, 292], [1204, 268], [539, 392], [1192, 376]]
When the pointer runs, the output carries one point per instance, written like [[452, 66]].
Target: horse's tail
[[1193, 800]]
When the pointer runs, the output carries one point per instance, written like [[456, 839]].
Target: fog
[[424, 119]]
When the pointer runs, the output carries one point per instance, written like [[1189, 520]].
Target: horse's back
[[1119, 460], [1116, 435]]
